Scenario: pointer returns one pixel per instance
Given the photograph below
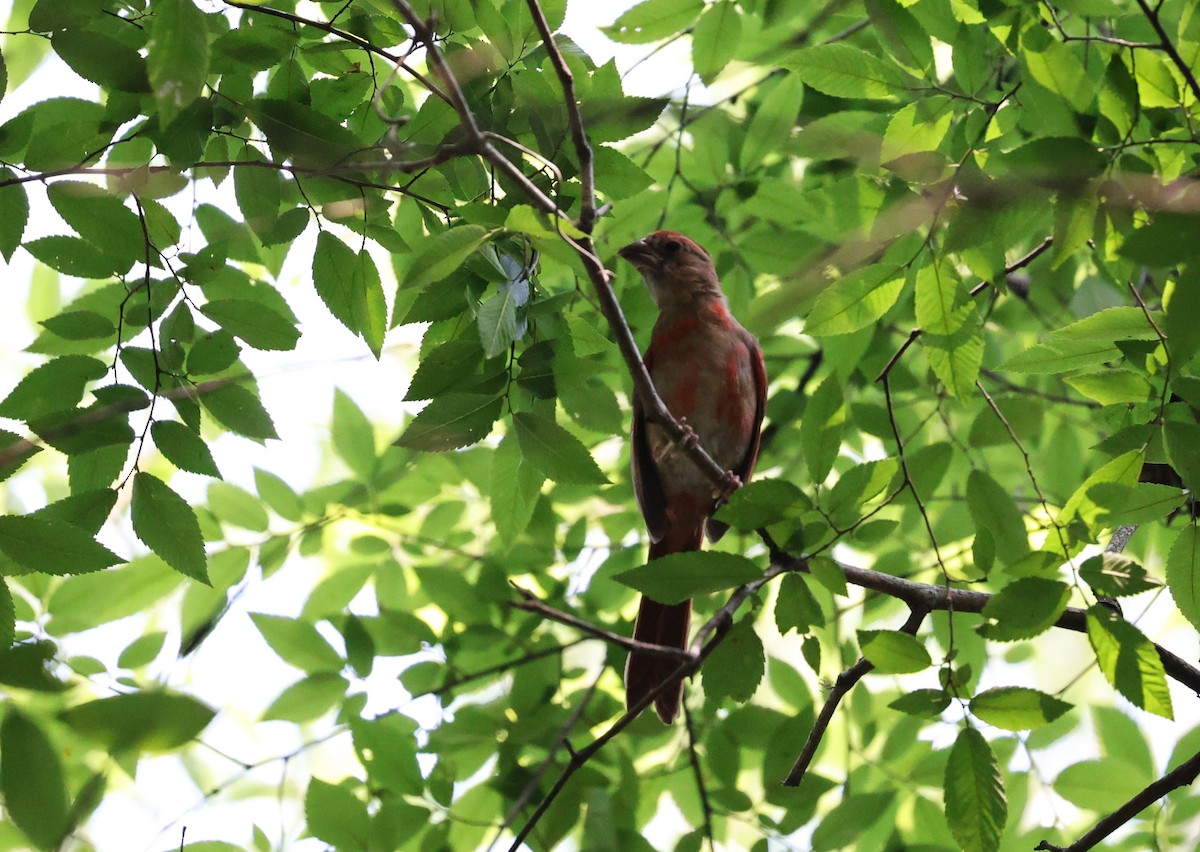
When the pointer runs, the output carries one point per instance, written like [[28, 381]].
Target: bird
[[709, 372]]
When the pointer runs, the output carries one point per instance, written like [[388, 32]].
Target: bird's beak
[[639, 254]]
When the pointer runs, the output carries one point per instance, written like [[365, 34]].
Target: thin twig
[[1169, 47], [698, 775], [844, 683], [1180, 776], [587, 178]]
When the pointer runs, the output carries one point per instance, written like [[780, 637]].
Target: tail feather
[[660, 624]]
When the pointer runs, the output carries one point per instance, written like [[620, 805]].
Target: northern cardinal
[[709, 371]]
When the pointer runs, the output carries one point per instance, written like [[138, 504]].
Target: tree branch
[[1169, 47], [587, 213], [1180, 776], [844, 683]]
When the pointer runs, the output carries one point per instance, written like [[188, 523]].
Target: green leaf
[[858, 486], [919, 129], [555, 451], [146, 721], [715, 39], [1061, 356], [177, 55], [893, 651], [1135, 504], [1016, 708], [1024, 608], [450, 422], [930, 703], [515, 485], [73, 256], [943, 303], [353, 436], [847, 72], [993, 509], [452, 365], [956, 358], [239, 411], [35, 791], [1057, 68], [1129, 660], [443, 254], [652, 20], [236, 506], [278, 495], [1183, 451], [773, 122], [497, 319], [1183, 573], [55, 386], [81, 325], [336, 816], [854, 301], [1112, 387], [1111, 324], [14, 214], [348, 283], [254, 323], [796, 607], [51, 546], [183, 448], [89, 600], [166, 523], [735, 667], [617, 176], [856, 813], [679, 576], [908, 41], [259, 192], [976, 806], [1179, 323], [761, 502], [1124, 470], [1116, 575], [822, 427], [299, 133], [102, 59], [307, 699], [298, 643]]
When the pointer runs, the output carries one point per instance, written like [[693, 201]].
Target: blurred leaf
[[151, 720], [35, 793], [679, 576]]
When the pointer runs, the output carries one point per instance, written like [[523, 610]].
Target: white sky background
[[235, 670]]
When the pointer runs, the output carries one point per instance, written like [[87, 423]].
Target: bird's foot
[[689, 439]]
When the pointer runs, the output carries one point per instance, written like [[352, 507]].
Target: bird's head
[[677, 270]]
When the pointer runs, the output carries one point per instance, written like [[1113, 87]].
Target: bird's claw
[[730, 483], [689, 440]]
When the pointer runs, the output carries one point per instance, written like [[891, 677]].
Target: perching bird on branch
[[709, 371]]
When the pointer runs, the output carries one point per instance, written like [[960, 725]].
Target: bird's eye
[[671, 248]]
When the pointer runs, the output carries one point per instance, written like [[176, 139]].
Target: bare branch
[[587, 213], [1180, 776], [1169, 47], [844, 683]]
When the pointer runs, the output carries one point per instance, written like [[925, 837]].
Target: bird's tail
[[661, 624]]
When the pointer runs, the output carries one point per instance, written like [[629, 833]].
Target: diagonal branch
[[1169, 47], [844, 683], [1180, 776], [587, 214]]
